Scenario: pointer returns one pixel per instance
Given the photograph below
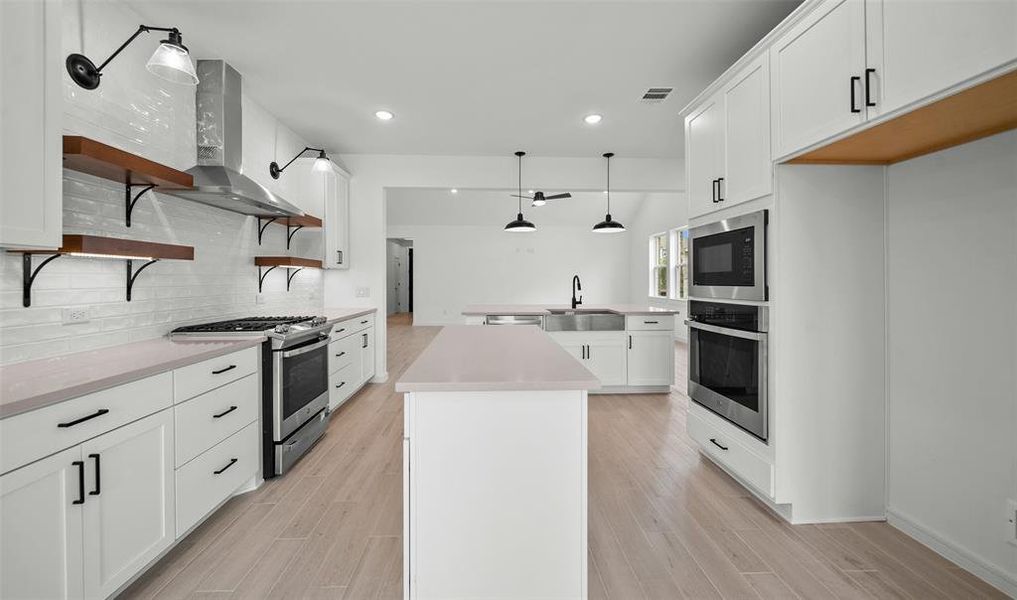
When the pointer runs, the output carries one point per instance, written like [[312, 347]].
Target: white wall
[[952, 345], [140, 113], [659, 212], [373, 173]]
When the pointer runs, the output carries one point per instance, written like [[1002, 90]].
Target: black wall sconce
[[321, 164], [170, 61]]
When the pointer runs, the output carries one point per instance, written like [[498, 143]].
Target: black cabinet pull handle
[[340, 385], [715, 443], [224, 413], [720, 197], [651, 322], [80, 464], [98, 476], [340, 330], [340, 355], [97, 413], [714, 187], [364, 322], [340, 253], [229, 368], [365, 341], [868, 87], [854, 79], [630, 342], [233, 461]]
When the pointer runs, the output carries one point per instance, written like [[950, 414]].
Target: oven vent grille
[[656, 95]]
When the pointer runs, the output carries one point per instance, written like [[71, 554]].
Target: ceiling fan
[[539, 199]]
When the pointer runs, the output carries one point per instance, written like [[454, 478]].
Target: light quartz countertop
[[465, 358], [334, 315], [38, 383], [544, 309]]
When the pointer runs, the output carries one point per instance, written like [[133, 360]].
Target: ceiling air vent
[[656, 95]]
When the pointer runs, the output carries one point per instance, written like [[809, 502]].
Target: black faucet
[[576, 285]]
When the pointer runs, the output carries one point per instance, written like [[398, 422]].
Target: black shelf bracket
[[262, 275], [129, 202], [28, 276], [289, 233], [261, 229], [289, 276], [132, 274]]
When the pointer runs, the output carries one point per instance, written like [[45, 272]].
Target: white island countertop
[[465, 358], [545, 309]]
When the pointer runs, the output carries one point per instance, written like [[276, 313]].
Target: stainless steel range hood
[[218, 177]]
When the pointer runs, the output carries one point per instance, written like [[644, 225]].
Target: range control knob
[[283, 328], [317, 321]]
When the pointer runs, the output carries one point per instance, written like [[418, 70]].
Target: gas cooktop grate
[[246, 324]]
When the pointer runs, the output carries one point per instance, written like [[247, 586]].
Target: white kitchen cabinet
[[128, 515], [41, 528], [704, 138], [748, 170], [651, 358], [367, 358], [919, 48], [602, 352], [818, 76], [31, 110], [337, 219]]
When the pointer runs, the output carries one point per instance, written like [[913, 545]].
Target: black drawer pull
[[98, 477], [715, 186], [229, 368], [720, 197], [233, 461], [868, 87], [340, 385], [341, 354], [363, 322], [340, 330], [97, 413], [715, 443], [854, 108], [224, 413], [651, 322], [80, 464]]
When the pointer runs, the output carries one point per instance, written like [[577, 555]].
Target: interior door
[[747, 165], [128, 514], [40, 528], [818, 69], [704, 131], [651, 358], [920, 48]]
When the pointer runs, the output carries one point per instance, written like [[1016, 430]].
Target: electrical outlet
[[363, 292], [1011, 524], [75, 316]]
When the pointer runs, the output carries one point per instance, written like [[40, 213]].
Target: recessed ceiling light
[[592, 119], [454, 191], [384, 115]]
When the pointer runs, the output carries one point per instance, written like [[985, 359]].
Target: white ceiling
[[475, 77], [495, 208]]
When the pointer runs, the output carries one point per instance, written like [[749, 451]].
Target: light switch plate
[[75, 315]]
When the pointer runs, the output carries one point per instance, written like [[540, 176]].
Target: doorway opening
[[399, 272]]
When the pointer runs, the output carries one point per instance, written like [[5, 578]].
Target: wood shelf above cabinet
[[980, 111], [95, 158], [292, 262]]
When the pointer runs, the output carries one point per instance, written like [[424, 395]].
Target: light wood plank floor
[[664, 521]]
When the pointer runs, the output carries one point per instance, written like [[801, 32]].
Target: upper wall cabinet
[[31, 182], [728, 143], [919, 48], [818, 76], [337, 219]]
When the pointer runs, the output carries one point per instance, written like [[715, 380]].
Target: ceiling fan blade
[[558, 196], [518, 196]]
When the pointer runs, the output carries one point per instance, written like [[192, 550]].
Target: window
[[669, 264]]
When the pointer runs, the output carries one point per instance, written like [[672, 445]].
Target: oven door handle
[[746, 335], [305, 349]]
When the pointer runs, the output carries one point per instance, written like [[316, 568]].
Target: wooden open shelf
[[95, 158], [294, 262], [307, 221], [983, 110], [118, 248]]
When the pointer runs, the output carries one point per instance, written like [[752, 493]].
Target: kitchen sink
[[583, 320]]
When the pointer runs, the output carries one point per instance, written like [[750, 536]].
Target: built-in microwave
[[727, 259]]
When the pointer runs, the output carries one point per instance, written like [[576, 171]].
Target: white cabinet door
[[606, 356], [920, 48], [651, 358], [128, 514], [31, 107], [40, 528], [337, 220], [367, 358], [747, 165], [704, 135], [818, 71]]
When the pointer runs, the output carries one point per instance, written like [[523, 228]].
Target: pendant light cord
[[608, 185], [519, 197]]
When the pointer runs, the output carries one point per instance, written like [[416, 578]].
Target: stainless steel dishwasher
[[537, 320]]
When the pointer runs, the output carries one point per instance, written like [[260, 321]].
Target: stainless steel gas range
[[294, 381]]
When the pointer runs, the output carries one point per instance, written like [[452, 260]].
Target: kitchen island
[[494, 467]]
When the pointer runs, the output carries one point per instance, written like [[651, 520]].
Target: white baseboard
[[989, 573]]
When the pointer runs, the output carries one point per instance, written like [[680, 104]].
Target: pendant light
[[520, 225], [608, 225]]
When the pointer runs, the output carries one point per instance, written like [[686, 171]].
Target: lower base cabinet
[[84, 521], [651, 358], [602, 352]]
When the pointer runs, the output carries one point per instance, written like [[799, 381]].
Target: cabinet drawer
[[342, 352], [649, 322], [754, 469], [350, 326], [210, 418], [30, 436], [342, 384], [212, 477], [198, 378]]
